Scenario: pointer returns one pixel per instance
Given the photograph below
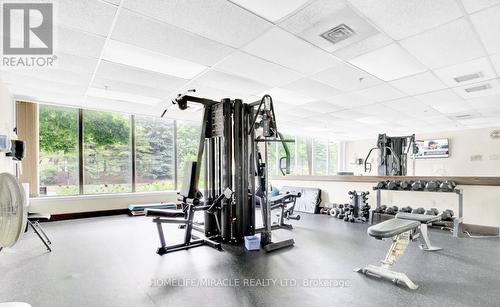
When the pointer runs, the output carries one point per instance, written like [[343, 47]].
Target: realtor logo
[[27, 28]]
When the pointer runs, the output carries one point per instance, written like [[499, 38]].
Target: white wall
[[463, 145], [6, 124], [74, 204]]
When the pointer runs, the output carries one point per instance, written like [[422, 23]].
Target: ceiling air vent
[[478, 88], [338, 34], [468, 77]]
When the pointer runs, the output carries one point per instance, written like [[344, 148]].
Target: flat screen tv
[[432, 148]]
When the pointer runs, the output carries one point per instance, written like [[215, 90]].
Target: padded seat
[[165, 213], [391, 228], [422, 218], [38, 216]]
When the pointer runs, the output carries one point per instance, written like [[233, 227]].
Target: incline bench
[[402, 229]]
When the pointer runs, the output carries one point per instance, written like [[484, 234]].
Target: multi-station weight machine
[[232, 133], [393, 154]]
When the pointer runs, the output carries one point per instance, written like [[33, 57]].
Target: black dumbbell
[[380, 185], [406, 185], [418, 185], [433, 185], [406, 209], [418, 211], [448, 186], [393, 185], [380, 209], [447, 215], [432, 211]]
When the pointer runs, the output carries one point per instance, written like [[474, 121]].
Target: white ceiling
[[396, 74]]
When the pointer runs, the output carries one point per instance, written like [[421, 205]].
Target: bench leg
[[424, 239], [398, 246], [40, 236]]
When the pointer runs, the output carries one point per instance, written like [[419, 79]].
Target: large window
[[188, 140], [107, 153], [58, 163], [320, 157], [154, 150], [125, 153]]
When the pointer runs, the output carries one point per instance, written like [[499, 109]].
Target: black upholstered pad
[[164, 213], [391, 228], [38, 216], [422, 218]]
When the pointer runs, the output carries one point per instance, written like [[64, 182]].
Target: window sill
[[105, 195]]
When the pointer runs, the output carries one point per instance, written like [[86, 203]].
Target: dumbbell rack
[[457, 221]]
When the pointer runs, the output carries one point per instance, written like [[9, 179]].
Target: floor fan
[[13, 216]]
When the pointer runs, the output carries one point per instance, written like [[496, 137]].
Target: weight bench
[[33, 222], [402, 229], [285, 202]]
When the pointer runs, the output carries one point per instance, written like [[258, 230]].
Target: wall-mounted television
[[432, 148]]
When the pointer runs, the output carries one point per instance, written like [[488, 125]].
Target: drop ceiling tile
[[126, 74], [57, 75], [445, 101], [418, 84], [251, 67], [78, 43], [495, 59], [124, 87], [346, 77], [322, 16], [321, 106], [388, 63], [221, 80], [281, 95], [283, 48], [312, 88], [446, 45], [472, 6], [372, 120], [401, 19], [86, 15], [146, 33], [371, 43], [487, 24], [485, 103], [104, 104], [480, 67], [28, 93], [21, 80], [350, 100], [382, 92], [219, 20], [271, 10], [488, 88], [73, 63], [412, 107]]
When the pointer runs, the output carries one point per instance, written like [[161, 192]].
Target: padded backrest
[[189, 185], [308, 201]]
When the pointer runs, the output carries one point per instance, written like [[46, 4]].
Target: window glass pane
[[58, 169], [188, 138], [304, 151], [154, 143], [333, 157], [320, 157], [107, 152], [281, 154]]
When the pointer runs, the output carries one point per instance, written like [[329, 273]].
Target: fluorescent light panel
[[130, 55], [102, 93]]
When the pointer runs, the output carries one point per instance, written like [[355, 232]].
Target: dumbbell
[[393, 185], [334, 212], [380, 209], [381, 185], [406, 185], [406, 209], [391, 210], [447, 215], [448, 186], [418, 211], [433, 185], [432, 211], [418, 185]]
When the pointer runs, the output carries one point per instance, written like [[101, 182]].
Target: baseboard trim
[[84, 215], [481, 230]]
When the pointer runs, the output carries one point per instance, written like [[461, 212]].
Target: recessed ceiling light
[[478, 88], [145, 59], [468, 77], [103, 93]]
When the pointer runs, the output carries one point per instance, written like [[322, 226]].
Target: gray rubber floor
[[111, 261]]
